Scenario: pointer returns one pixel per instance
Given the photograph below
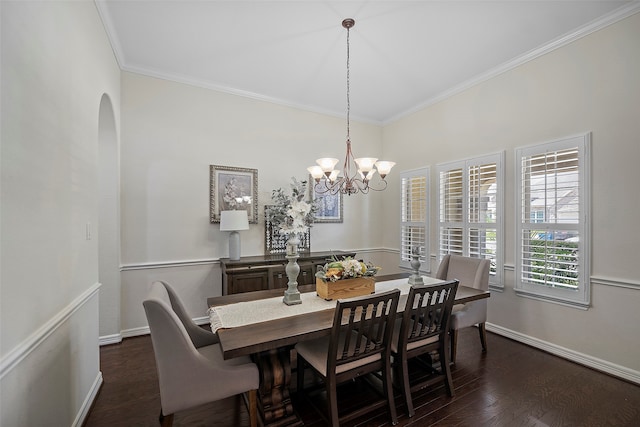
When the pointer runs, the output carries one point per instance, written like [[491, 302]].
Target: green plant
[[554, 263]]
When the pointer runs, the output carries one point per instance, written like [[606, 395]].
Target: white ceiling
[[404, 54]]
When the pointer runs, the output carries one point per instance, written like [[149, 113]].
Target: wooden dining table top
[[288, 331]]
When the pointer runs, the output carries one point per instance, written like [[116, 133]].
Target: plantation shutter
[[483, 214], [552, 220], [451, 212], [413, 218], [470, 211]]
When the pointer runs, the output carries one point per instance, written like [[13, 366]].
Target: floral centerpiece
[[346, 268], [292, 213], [345, 278]]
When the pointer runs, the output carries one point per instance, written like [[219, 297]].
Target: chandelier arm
[[382, 188]]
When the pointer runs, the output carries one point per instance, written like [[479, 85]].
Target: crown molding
[[598, 24], [615, 16]]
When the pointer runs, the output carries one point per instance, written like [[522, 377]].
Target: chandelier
[[328, 179]]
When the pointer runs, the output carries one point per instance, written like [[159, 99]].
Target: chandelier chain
[[348, 88]]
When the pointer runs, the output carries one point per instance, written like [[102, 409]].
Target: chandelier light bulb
[[316, 172], [365, 164], [384, 167], [327, 164]]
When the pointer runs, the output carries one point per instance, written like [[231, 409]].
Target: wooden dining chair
[[358, 345], [424, 329]]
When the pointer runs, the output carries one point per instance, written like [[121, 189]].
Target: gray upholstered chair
[[358, 345], [424, 329], [191, 370], [474, 273]]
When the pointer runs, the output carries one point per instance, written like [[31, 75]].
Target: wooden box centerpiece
[[345, 288], [345, 278]]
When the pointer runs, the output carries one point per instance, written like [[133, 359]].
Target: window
[[552, 218], [414, 229], [470, 211], [537, 216]]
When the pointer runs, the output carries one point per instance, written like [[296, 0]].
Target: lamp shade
[[234, 220]]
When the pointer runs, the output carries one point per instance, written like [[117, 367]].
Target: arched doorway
[[108, 224]]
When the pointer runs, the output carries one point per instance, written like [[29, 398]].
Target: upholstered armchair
[[191, 371], [474, 273]]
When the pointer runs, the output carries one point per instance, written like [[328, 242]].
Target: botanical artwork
[[329, 206], [233, 189]]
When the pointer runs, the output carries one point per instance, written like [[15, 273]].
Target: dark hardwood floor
[[511, 385]]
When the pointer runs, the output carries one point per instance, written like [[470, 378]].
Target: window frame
[[425, 259], [496, 280], [580, 298]]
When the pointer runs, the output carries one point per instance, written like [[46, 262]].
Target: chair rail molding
[[620, 283], [168, 264], [22, 350]]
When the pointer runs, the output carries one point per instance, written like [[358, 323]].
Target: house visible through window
[[470, 211], [553, 254], [414, 231]]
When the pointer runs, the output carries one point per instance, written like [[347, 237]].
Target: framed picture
[[276, 243], [233, 189], [329, 205]]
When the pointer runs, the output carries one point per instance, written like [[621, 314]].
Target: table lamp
[[234, 221]]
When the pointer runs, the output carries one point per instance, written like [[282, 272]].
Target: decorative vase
[[292, 244], [292, 295]]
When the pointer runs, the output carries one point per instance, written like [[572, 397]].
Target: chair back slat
[[427, 312], [362, 327]]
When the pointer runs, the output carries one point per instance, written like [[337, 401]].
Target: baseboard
[[574, 356], [135, 332], [144, 330], [88, 401], [110, 339]]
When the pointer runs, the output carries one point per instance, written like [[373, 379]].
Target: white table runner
[[246, 313]]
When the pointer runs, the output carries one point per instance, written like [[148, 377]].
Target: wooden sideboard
[[257, 273]]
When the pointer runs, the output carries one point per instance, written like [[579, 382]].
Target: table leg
[[274, 399]]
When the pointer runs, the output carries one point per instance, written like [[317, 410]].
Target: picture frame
[[276, 243], [330, 207], [233, 188]]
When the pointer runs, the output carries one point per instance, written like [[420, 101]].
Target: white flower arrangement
[[292, 214]]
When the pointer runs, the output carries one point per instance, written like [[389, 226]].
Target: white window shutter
[[552, 212], [414, 230]]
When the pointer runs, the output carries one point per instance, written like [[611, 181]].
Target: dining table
[[266, 330]]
